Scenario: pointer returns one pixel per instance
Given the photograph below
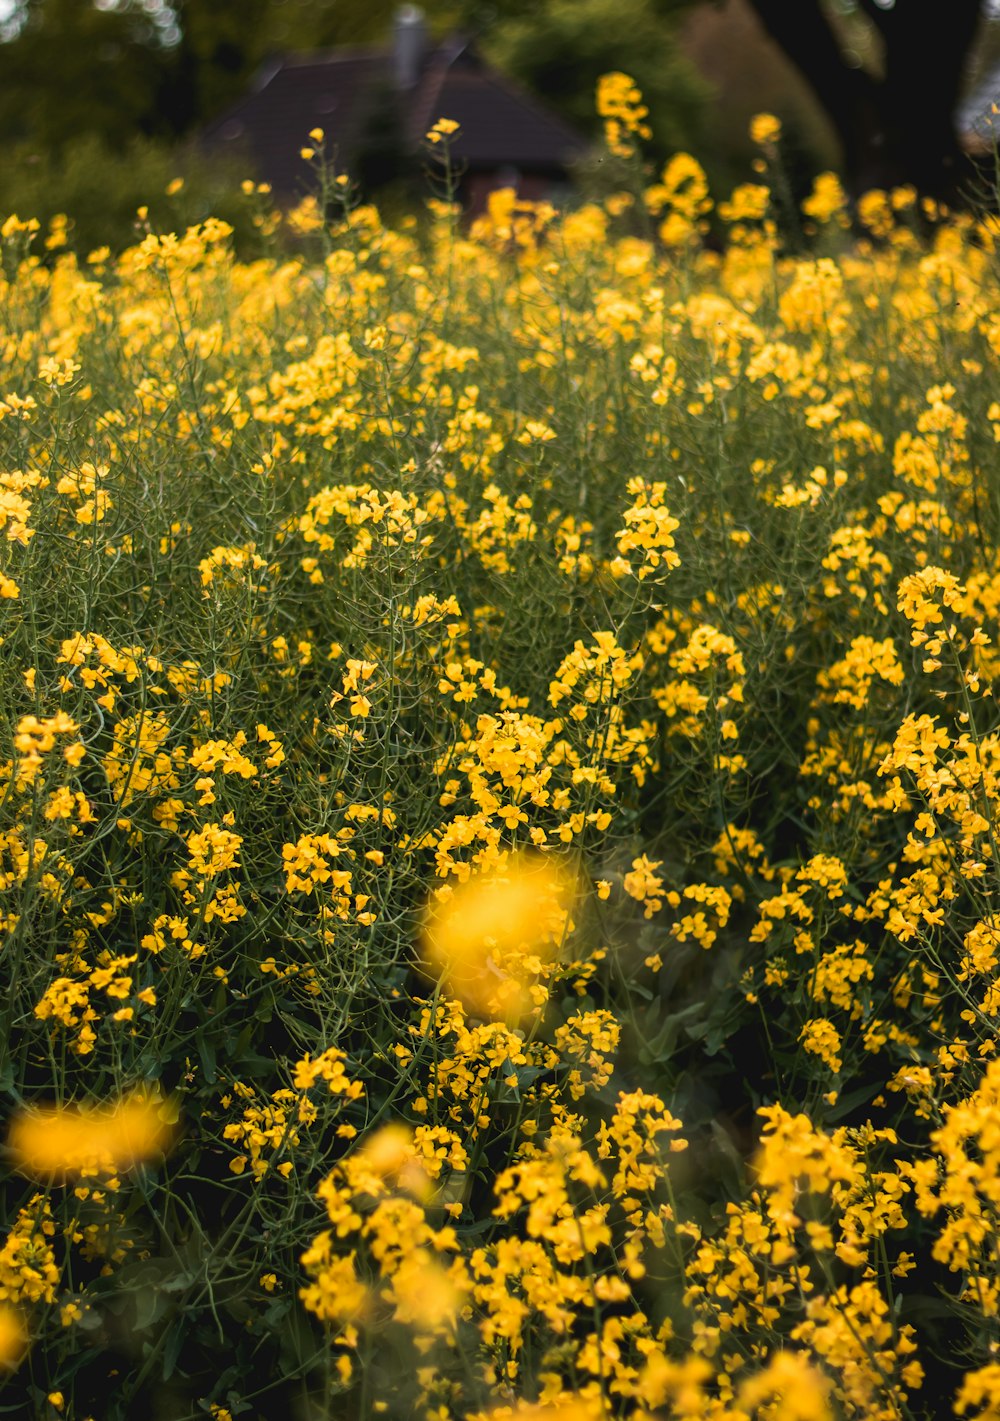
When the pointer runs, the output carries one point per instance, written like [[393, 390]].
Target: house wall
[[547, 186]]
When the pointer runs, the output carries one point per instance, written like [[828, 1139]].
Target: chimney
[[409, 40]]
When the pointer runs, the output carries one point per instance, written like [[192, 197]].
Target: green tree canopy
[[70, 67]]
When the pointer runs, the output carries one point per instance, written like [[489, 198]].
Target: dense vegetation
[[500, 812]]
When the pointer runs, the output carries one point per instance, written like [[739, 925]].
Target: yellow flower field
[[500, 811]]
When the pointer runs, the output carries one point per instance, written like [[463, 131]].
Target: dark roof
[[343, 90], [500, 122]]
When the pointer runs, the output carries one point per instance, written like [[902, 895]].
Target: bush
[[100, 190]]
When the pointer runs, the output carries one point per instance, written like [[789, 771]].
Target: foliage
[[69, 68], [99, 190], [500, 812]]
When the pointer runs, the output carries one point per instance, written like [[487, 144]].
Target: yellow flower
[[765, 129], [827, 198], [489, 938], [619, 103], [55, 1142], [423, 1294], [821, 1038], [390, 1156], [791, 1383], [13, 1338], [444, 128]]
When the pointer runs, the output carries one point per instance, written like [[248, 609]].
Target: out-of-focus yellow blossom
[[61, 1142], [620, 105], [13, 1338], [488, 938], [765, 129], [827, 199], [442, 130]]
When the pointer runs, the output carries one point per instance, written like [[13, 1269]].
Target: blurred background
[[104, 102]]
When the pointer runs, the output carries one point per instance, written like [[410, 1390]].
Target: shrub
[[100, 189]]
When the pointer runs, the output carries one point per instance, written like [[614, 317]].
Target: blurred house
[[376, 103]]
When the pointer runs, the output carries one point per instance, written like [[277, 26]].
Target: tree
[[896, 122], [71, 68]]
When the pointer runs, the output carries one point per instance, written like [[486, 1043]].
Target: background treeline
[[102, 101], [101, 104]]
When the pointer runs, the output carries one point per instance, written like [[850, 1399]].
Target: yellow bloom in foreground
[[13, 1338], [564, 1407], [423, 1295], [792, 1386], [389, 1159], [53, 1142], [490, 939]]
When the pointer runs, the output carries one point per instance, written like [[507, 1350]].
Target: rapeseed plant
[[500, 808]]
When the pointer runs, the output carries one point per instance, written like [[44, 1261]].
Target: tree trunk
[[901, 128], [925, 55]]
